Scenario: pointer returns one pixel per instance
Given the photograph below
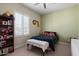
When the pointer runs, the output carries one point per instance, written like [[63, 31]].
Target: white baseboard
[[64, 43], [19, 46]]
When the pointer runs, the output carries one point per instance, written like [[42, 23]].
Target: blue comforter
[[51, 40]]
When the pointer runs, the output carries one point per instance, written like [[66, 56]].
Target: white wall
[[12, 7]]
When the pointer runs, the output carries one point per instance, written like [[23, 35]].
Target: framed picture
[[4, 23], [35, 22]]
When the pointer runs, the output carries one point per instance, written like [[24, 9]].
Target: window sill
[[21, 35]]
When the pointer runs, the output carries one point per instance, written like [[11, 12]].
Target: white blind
[[21, 24]]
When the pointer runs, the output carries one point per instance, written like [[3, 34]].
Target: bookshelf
[[6, 34]]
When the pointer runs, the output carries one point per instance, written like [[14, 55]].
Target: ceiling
[[51, 7]]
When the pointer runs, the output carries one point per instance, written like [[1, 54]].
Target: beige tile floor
[[61, 50]]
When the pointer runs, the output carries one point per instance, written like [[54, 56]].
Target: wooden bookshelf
[[6, 34]]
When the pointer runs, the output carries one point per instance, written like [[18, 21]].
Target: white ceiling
[[51, 7]]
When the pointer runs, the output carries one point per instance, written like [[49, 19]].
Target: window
[[21, 24]]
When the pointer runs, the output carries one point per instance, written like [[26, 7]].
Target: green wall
[[65, 22], [78, 19]]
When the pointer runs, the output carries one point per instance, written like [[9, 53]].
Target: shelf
[[6, 18], [6, 25], [7, 29]]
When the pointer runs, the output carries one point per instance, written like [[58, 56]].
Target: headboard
[[55, 33]]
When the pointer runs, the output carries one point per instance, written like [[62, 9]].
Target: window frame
[[22, 25]]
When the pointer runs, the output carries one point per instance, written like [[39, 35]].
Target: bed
[[50, 37], [75, 47]]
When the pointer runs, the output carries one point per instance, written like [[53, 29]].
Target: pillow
[[48, 33], [44, 33], [51, 34]]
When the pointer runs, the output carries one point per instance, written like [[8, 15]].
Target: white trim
[[64, 43], [19, 46]]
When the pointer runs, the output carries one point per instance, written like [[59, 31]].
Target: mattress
[[75, 47]]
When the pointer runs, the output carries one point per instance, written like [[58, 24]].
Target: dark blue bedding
[[51, 40]]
